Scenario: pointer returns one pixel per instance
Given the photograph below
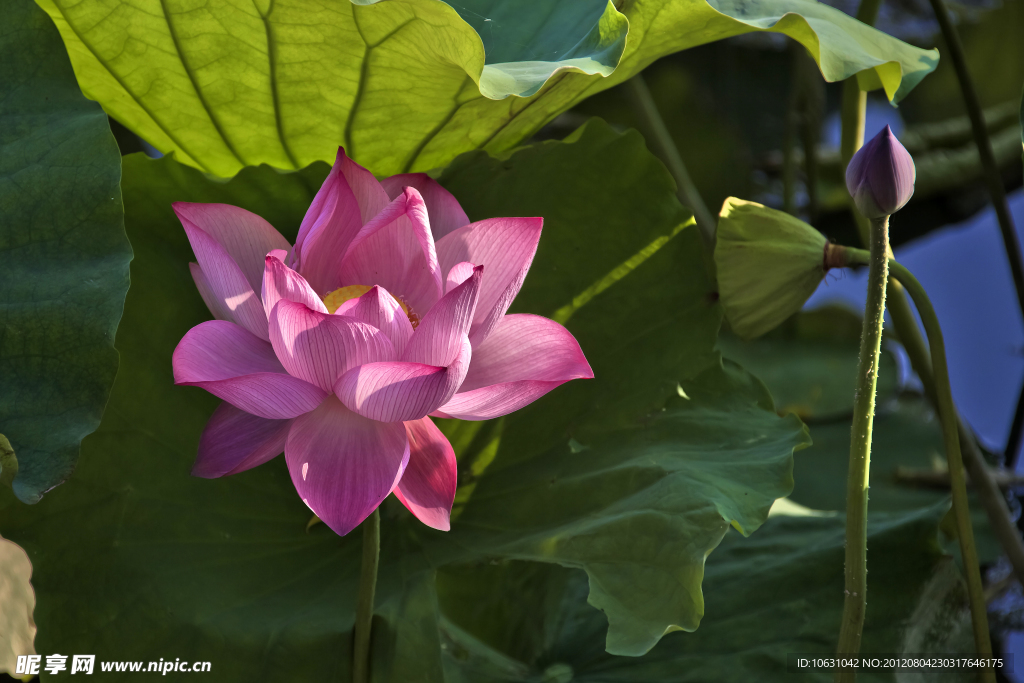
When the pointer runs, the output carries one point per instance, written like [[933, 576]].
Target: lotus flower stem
[[950, 434], [665, 148], [803, 120], [853, 109], [958, 483], [992, 499], [789, 136], [995, 183], [905, 323], [981, 139], [364, 603], [855, 601]]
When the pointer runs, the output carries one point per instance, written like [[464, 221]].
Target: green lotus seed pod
[[769, 263]]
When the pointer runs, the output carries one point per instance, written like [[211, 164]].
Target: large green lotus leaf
[[907, 434], [810, 363], [408, 84], [778, 592], [640, 508], [139, 557], [66, 256], [669, 317]]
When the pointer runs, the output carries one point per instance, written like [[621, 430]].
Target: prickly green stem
[[950, 434], [855, 600], [364, 604]]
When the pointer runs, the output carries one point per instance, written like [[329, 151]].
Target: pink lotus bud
[[881, 176]]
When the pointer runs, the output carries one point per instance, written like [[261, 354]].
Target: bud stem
[[364, 604], [853, 110], [950, 434], [855, 601]]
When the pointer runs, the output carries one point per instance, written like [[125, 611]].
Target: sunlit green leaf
[[606, 475], [66, 256], [408, 84]]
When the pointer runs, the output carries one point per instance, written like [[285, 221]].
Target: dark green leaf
[[810, 364], [907, 434], [65, 252], [778, 592]]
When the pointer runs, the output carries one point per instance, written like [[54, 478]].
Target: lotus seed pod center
[[335, 299]]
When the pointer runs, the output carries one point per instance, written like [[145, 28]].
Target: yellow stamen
[[339, 296], [335, 299]]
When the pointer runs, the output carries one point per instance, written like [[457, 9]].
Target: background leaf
[[404, 84], [65, 253], [525, 43], [907, 435], [778, 592], [609, 476], [810, 364]]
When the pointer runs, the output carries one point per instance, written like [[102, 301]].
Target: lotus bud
[[769, 263], [881, 176]]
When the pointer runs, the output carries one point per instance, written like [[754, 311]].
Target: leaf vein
[[274, 91], [195, 85], [142, 105]]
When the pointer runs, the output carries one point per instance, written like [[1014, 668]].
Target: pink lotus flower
[[390, 308]]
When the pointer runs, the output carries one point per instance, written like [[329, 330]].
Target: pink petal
[[396, 251], [378, 308], [399, 392], [235, 441], [327, 229], [505, 246], [218, 308], [525, 357], [343, 465], [246, 237], [370, 195], [281, 282], [459, 273], [439, 336], [227, 286], [238, 367], [319, 347], [444, 210], [428, 486]]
